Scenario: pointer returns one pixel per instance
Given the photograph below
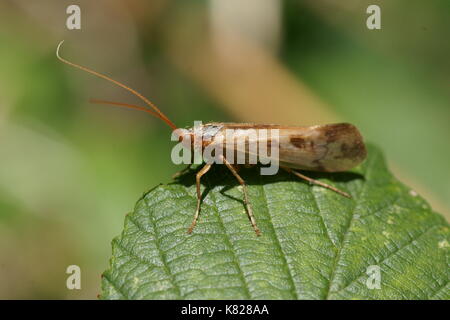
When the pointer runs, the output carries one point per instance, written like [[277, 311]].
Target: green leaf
[[315, 244]]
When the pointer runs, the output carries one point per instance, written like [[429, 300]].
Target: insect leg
[[310, 180], [204, 170], [246, 201], [179, 173]]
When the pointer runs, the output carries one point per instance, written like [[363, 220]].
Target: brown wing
[[331, 147]]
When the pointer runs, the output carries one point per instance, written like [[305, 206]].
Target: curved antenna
[[126, 105], [162, 116]]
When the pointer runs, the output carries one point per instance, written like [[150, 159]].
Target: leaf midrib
[[228, 240], [278, 243]]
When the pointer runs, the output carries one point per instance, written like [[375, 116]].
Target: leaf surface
[[315, 244]]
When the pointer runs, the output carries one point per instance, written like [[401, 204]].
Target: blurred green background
[[70, 171]]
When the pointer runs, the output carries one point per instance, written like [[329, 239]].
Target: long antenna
[[162, 116], [126, 105]]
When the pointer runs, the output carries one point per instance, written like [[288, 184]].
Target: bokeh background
[[70, 170]]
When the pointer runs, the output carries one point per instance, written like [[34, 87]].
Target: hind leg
[[313, 181]]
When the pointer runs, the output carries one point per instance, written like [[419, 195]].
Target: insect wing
[[331, 147]]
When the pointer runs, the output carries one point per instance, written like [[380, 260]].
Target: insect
[[323, 148]]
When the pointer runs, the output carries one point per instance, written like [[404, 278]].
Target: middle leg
[[246, 199]]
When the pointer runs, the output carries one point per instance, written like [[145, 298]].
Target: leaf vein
[[278, 243], [393, 253], [335, 265], [159, 250], [230, 244]]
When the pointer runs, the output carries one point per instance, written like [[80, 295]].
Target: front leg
[[199, 175], [182, 171]]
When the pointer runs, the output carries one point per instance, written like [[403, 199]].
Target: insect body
[[324, 148]]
